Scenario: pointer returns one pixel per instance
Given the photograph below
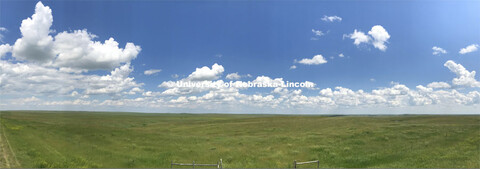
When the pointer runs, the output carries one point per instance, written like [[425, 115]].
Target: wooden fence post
[[193, 164], [295, 164], [318, 163]]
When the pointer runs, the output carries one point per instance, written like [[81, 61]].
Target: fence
[[295, 163], [218, 165]]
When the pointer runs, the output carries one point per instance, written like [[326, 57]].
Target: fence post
[[221, 163], [171, 164], [193, 164], [318, 163], [295, 164]]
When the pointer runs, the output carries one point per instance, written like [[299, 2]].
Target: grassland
[[95, 139]]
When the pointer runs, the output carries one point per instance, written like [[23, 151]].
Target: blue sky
[[262, 39]]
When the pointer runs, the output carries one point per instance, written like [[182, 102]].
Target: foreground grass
[[93, 139]]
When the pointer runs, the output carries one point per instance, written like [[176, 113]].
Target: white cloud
[[468, 49], [310, 85], [74, 51], [377, 36], [359, 37], [4, 49], [151, 71], [29, 78], [36, 44], [150, 93], [439, 85], [464, 77], [181, 99], [317, 32], [77, 102], [25, 101], [380, 37], [134, 90], [205, 73], [316, 60], [327, 92], [233, 76], [74, 93], [268, 80], [50, 83], [2, 29], [438, 50], [279, 99], [331, 18], [44, 74], [293, 67], [114, 83], [341, 55], [77, 50], [18, 78]]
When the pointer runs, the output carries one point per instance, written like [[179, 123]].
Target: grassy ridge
[[93, 139]]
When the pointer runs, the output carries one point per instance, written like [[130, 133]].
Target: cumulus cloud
[[114, 83], [74, 93], [4, 49], [464, 77], [134, 90], [396, 96], [2, 29], [377, 36], [36, 44], [341, 55], [380, 37], [75, 51], [390, 98], [17, 78], [205, 73], [331, 18], [293, 67], [317, 32], [316, 60], [469, 49], [439, 85], [268, 80], [44, 80], [359, 37], [438, 50], [152, 71], [25, 101], [53, 66], [233, 76]]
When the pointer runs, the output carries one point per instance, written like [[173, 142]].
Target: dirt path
[[4, 163], [7, 156]]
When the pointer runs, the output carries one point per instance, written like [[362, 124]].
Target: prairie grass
[[122, 140]]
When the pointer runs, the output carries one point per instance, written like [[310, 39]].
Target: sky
[[363, 57]]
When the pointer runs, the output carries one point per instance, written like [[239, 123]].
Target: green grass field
[[95, 139]]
